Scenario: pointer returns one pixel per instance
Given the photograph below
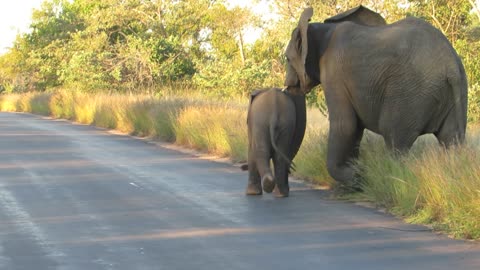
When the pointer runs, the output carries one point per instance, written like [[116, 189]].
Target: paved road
[[77, 197]]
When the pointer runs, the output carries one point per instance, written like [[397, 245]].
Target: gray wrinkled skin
[[400, 80], [276, 125]]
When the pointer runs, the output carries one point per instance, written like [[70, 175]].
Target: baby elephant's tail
[[273, 137]]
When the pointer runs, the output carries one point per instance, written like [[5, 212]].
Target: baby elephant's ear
[[359, 15], [254, 94]]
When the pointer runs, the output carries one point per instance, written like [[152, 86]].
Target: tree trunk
[[240, 45]]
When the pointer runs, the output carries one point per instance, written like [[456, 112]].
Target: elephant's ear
[[254, 94], [302, 28], [296, 53], [360, 15]]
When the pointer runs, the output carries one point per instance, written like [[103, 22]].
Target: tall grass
[[449, 189], [219, 130], [430, 185], [311, 160]]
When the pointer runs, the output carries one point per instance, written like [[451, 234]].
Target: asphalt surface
[[78, 197]]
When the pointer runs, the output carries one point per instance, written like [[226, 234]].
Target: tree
[[450, 16]]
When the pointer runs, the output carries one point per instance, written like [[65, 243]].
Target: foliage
[[450, 16], [473, 113]]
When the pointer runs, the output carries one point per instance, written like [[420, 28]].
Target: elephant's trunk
[[300, 123]]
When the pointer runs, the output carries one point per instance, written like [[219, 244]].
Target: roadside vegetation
[[181, 71]]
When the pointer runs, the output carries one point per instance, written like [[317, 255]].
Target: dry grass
[[430, 185], [218, 129], [311, 160]]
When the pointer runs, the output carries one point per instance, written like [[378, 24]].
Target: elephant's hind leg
[[450, 133], [400, 143], [268, 183], [263, 153], [254, 186], [281, 176], [282, 158]]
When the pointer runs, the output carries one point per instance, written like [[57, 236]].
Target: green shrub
[[39, 104]]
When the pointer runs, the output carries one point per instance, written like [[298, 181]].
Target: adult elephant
[[400, 80]]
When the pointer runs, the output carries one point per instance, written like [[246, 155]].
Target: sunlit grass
[[429, 185], [218, 129], [84, 108], [8, 103], [387, 179], [311, 159], [61, 105], [449, 189], [105, 114]]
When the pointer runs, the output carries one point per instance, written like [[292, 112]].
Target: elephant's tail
[[290, 163], [459, 87]]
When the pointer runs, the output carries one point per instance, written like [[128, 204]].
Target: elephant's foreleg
[[343, 146], [356, 146], [283, 155]]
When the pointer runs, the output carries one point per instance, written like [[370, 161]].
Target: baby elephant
[[276, 126]]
